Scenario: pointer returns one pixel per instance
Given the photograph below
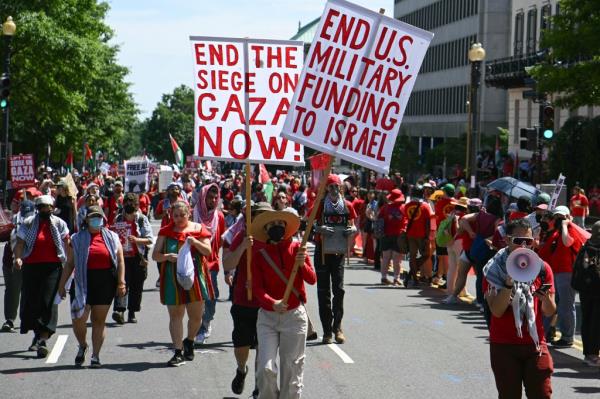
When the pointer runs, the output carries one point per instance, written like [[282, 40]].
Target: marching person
[[519, 356], [579, 206], [66, 206], [281, 327], [392, 246], [114, 204], [136, 240], [13, 276], [40, 251], [335, 211], [89, 200], [97, 259], [178, 300], [206, 212], [163, 210], [244, 311]]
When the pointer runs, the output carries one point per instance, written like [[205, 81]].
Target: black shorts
[[244, 326], [390, 243], [441, 251], [101, 287]]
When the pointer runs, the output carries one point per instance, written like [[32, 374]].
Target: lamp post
[[476, 56], [8, 30]]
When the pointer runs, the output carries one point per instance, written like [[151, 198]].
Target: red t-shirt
[[144, 203], [44, 250], [267, 286], [392, 219], [240, 296], [559, 256], [98, 256], [166, 218], [418, 227], [360, 208], [503, 330], [114, 204], [443, 207], [213, 260], [578, 203]]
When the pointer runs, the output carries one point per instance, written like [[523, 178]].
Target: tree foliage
[[174, 115], [67, 86], [572, 69]]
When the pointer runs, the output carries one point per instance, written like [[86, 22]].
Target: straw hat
[[292, 224], [462, 202]]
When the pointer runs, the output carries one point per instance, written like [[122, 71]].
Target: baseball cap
[[542, 198], [44, 200], [561, 210], [95, 210], [26, 208]]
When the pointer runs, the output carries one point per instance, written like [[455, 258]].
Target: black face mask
[[129, 208], [44, 215], [276, 233]]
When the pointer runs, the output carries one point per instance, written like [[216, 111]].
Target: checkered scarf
[[33, 224]]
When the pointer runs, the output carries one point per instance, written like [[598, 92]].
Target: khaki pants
[[286, 332]]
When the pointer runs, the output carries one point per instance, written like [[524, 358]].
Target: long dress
[[171, 293]]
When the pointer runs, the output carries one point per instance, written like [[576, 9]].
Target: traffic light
[[4, 91], [548, 122], [528, 139]]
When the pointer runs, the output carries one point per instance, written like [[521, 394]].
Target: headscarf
[[209, 218]]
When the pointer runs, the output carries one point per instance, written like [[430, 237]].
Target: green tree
[[67, 86], [174, 115], [572, 69]]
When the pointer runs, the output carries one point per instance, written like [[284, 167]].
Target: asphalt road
[[402, 343]]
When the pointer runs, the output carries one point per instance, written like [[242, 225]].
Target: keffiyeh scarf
[[209, 218], [522, 299]]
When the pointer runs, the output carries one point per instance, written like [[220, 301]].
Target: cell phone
[[545, 287]]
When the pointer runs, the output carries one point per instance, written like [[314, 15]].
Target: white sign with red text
[[243, 89], [356, 82]]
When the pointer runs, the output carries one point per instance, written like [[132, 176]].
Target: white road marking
[[345, 358], [58, 348]]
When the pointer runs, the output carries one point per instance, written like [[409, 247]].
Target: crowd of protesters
[[66, 243]]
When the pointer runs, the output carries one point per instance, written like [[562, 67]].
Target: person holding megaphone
[[518, 288]]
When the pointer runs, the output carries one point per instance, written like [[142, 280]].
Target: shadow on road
[[133, 367]]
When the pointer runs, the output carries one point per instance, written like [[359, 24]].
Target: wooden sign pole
[[309, 225], [248, 225]]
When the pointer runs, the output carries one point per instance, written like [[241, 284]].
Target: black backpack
[[586, 271]]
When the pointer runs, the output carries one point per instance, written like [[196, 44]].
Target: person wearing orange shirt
[[580, 207]]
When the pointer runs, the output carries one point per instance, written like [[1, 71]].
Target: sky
[[153, 35]]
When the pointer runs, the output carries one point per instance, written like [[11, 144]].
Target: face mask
[[544, 226], [276, 233], [129, 208], [45, 215], [96, 223]]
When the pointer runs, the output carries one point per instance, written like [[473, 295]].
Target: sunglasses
[[521, 240]]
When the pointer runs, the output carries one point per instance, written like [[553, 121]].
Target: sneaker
[[398, 283], [592, 360], [118, 317], [95, 362], [450, 300], [131, 317], [340, 338], [562, 343], [435, 280], [34, 344], [188, 349], [551, 334], [385, 281], [8, 326], [80, 358], [177, 359], [200, 338], [312, 337], [327, 339], [208, 331], [42, 349], [237, 385]]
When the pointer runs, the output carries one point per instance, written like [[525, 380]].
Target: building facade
[[529, 18], [438, 108]]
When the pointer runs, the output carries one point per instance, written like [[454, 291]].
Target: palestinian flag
[[69, 161], [89, 157], [177, 152]]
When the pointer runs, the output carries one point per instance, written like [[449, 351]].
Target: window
[[518, 44], [545, 14], [442, 101], [531, 30], [441, 13]]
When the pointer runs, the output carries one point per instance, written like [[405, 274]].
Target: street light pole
[[8, 30], [476, 56]]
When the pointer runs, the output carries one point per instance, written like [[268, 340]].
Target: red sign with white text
[[22, 171], [355, 84], [243, 89]]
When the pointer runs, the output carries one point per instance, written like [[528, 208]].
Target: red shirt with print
[[392, 219], [420, 221], [503, 330], [44, 250], [443, 207], [578, 203]]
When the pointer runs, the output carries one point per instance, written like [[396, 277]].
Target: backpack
[[443, 236], [586, 271]]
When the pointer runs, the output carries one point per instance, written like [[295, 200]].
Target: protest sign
[[136, 176], [355, 85], [71, 186], [123, 229], [22, 171], [165, 177], [556, 193], [242, 93]]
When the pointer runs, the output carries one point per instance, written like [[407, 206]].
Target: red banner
[[22, 171]]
